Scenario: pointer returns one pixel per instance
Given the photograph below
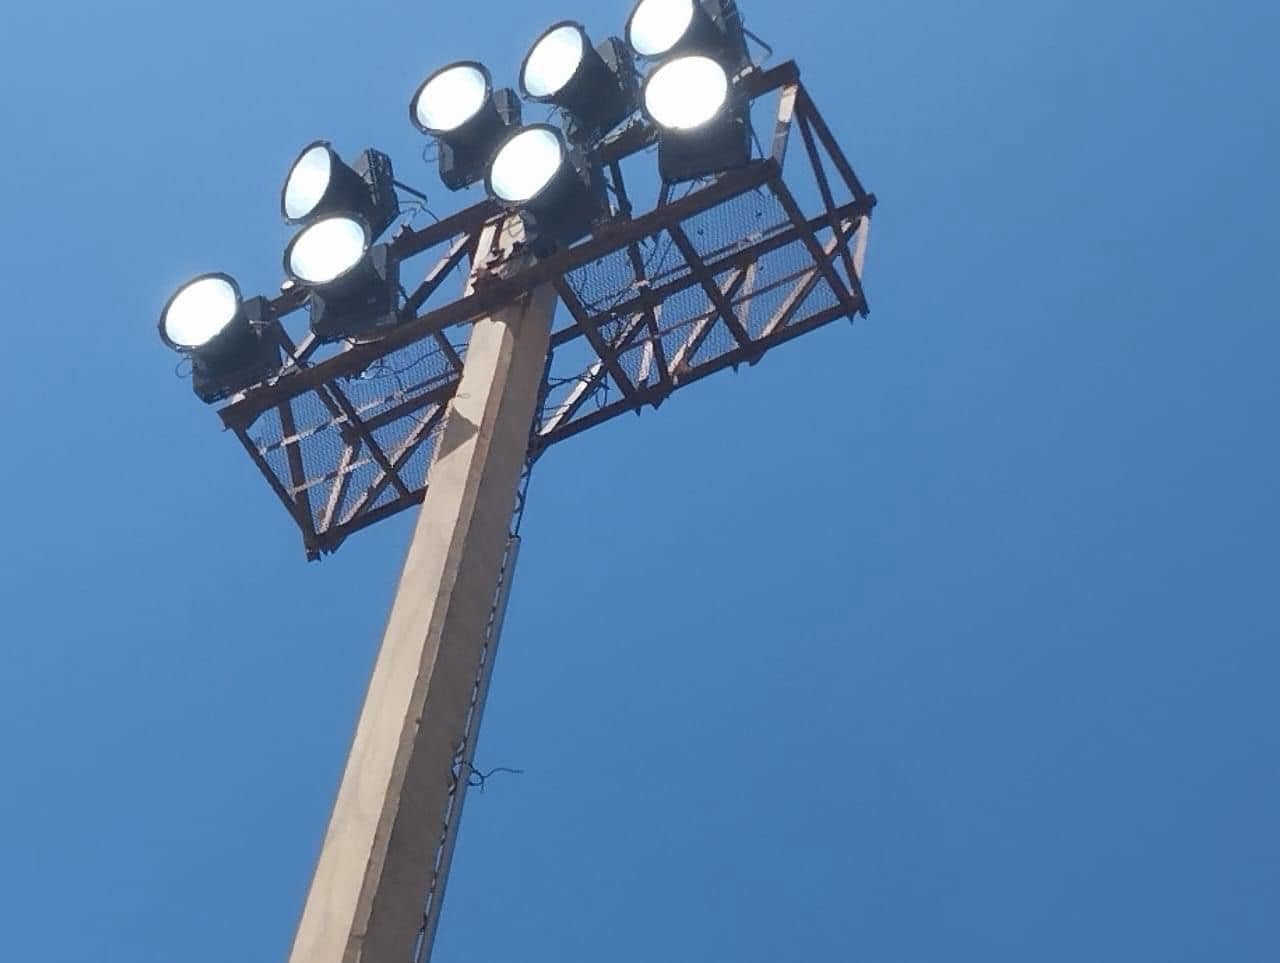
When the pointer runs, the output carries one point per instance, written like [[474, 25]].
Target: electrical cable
[[478, 780], [410, 190], [768, 47]]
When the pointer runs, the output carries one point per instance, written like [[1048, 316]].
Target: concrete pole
[[367, 896]]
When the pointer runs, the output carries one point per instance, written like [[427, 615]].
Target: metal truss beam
[[647, 338]]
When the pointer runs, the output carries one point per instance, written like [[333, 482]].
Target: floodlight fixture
[[353, 286], [686, 93], [320, 183], [459, 107], [597, 87], [326, 250], [557, 192], [231, 342], [658, 29], [704, 123]]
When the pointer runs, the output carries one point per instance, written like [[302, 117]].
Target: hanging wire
[[382, 369], [478, 780], [421, 203], [412, 191], [767, 47], [415, 210]]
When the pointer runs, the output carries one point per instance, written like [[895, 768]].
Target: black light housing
[[319, 182], [658, 29], [231, 341], [703, 118], [458, 106], [598, 88], [354, 288], [557, 192]]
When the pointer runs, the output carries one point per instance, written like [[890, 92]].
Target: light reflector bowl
[[658, 25], [308, 180], [686, 93], [553, 61], [200, 311], [326, 250], [525, 164], [450, 97]]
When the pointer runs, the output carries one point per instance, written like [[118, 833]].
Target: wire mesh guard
[[712, 275]]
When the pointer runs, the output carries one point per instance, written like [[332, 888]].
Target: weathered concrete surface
[[366, 898]]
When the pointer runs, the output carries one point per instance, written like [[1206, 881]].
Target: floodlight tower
[[394, 398]]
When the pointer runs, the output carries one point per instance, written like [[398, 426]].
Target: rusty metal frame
[[638, 350]]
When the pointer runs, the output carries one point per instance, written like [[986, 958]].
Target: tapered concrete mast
[[397, 808]]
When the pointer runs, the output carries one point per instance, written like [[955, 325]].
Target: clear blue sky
[[951, 636]]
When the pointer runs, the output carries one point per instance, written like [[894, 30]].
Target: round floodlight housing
[[326, 250], [199, 311], [686, 93], [656, 26], [451, 97], [526, 164], [308, 181], [553, 61]]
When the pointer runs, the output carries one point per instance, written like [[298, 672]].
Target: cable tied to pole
[[461, 763]]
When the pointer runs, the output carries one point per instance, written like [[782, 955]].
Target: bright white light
[[657, 25], [307, 182], [327, 249], [525, 165], [553, 61], [451, 98], [199, 312], [686, 93]]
